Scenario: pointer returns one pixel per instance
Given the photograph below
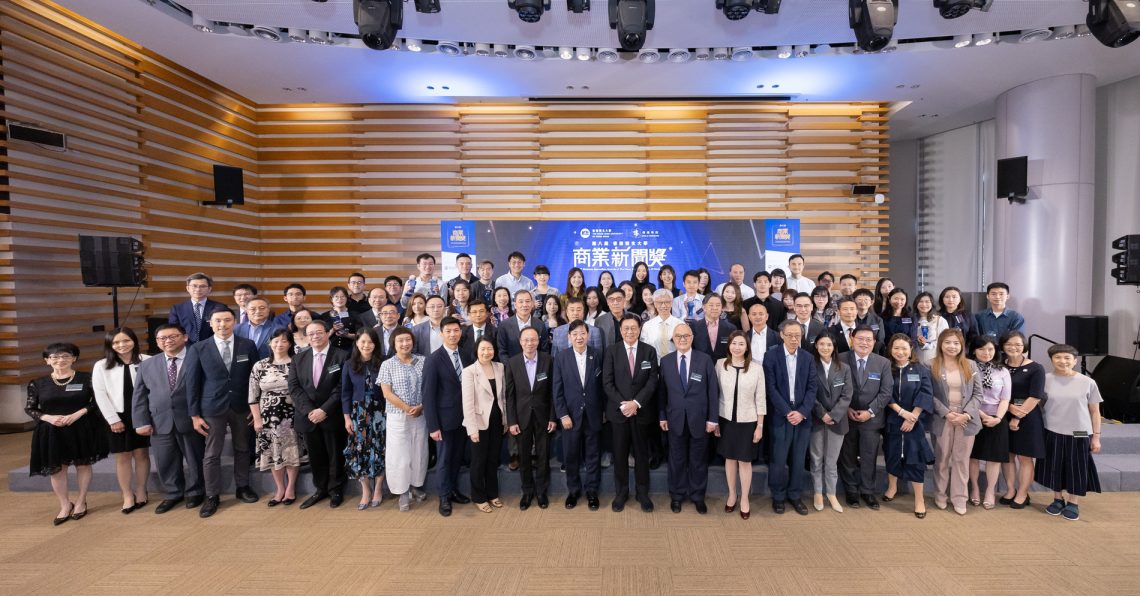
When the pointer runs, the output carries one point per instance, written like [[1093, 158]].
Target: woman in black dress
[[742, 410], [67, 429], [112, 379], [906, 450], [1026, 427]]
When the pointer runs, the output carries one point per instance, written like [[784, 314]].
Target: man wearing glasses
[[193, 315], [688, 409], [873, 385], [314, 384]]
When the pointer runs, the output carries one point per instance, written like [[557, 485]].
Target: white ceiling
[[947, 88]]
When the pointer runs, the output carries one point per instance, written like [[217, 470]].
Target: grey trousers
[[170, 450], [215, 441], [824, 449]]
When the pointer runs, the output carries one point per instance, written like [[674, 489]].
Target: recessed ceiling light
[[740, 54], [784, 52], [269, 33], [608, 55], [525, 53], [961, 41], [984, 39], [298, 35], [702, 54], [449, 48], [1064, 32], [1034, 35], [648, 56], [720, 53], [678, 55], [582, 53], [760, 86], [482, 49], [413, 45], [203, 24], [566, 53], [500, 50], [323, 38], [802, 51]]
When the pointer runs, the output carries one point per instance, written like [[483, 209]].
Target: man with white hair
[[658, 331]]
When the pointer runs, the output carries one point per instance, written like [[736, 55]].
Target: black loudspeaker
[[39, 136], [152, 324], [1119, 382], [229, 188], [111, 261], [1087, 333]]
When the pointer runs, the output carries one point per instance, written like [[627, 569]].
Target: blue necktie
[[684, 375], [458, 366], [196, 324]]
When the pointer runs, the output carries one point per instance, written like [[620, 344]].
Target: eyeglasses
[[315, 334], [166, 338], [61, 357], [683, 336]]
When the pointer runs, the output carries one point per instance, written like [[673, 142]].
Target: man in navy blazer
[[217, 388], [688, 397], [575, 310], [578, 403], [194, 314], [443, 411], [436, 310], [257, 328], [789, 378], [710, 335]]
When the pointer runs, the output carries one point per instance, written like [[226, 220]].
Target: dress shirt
[[682, 303], [790, 360], [688, 356], [531, 365], [436, 336], [255, 331], [759, 344], [631, 356], [514, 285], [581, 358], [799, 284], [221, 343], [180, 359], [998, 324], [523, 324], [652, 331], [478, 333], [386, 337]]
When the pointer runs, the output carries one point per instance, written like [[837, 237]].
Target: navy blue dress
[[908, 453]]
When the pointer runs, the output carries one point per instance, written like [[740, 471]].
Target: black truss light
[[873, 22], [379, 21], [1115, 23], [530, 11], [632, 19]]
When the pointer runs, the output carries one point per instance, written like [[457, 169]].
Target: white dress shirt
[[652, 330], [580, 357], [759, 344], [790, 361], [800, 284]]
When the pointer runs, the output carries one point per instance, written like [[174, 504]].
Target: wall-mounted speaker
[[39, 136], [111, 261], [1087, 333], [229, 186]]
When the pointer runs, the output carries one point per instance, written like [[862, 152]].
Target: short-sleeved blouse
[[1067, 407], [405, 380]]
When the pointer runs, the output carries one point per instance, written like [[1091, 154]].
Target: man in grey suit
[[428, 335], [507, 334], [217, 388], [258, 328], [575, 311], [159, 411], [609, 323], [867, 414]]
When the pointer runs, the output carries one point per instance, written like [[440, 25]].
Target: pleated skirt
[[1068, 465]]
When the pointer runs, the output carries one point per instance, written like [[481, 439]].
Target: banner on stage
[[595, 246]]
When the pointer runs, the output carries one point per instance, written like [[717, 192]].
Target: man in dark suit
[[507, 333], [314, 384], [578, 403], [629, 379], [843, 332], [389, 321], [429, 334], [560, 338], [528, 381], [258, 328], [688, 409], [789, 379], [194, 314], [609, 323], [294, 301], [370, 317], [479, 328], [760, 336], [159, 411], [217, 388], [358, 302], [443, 411], [710, 335], [867, 414], [810, 328]]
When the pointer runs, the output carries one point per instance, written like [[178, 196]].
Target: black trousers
[[581, 446], [688, 464], [857, 459], [627, 435], [326, 455], [536, 473], [484, 470], [450, 453]]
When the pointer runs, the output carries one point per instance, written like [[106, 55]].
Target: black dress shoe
[[289, 501], [335, 499], [799, 506], [209, 507], [194, 501], [445, 506], [1004, 500], [272, 503], [592, 501], [1015, 505], [871, 502], [543, 501], [778, 507], [59, 520], [514, 463], [853, 501], [701, 507], [524, 502], [571, 500], [647, 506], [78, 515], [166, 505], [618, 506], [139, 505], [460, 498], [675, 506], [245, 494], [128, 510], [313, 500]]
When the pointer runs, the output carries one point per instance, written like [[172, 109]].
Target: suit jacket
[[478, 399], [840, 338], [780, 393], [971, 401], [610, 326], [108, 387], [183, 314], [325, 395], [833, 396], [507, 336], [422, 335], [467, 340], [365, 318], [583, 405], [771, 338], [749, 389], [873, 389], [523, 401], [619, 386], [812, 333], [701, 338], [915, 386], [694, 405], [561, 339], [442, 391], [875, 322], [268, 329], [153, 404], [210, 388]]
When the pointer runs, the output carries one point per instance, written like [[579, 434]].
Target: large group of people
[[814, 378]]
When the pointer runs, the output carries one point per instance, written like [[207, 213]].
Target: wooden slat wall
[[336, 188]]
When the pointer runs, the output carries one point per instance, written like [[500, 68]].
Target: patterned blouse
[[405, 380]]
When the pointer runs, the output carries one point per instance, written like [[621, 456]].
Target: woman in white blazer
[[113, 382], [742, 410], [484, 402]]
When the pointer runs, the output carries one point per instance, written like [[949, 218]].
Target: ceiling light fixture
[[582, 54], [735, 10], [680, 55], [1114, 23], [802, 51], [449, 48], [203, 24], [632, 19], [1035, 35], [648, 56], [720, 54], [566, 53], [873, 22], [530, 11], [578, 6], [298, 35], [269, 34], [608, 55], [984, 39], [482, 49], [740, 54], [961, 41], [784, 52], [526, 53], [413, 45], [321, 38], [1064, 32], [427, 6], [379, 21], [702, 54], [952, 9], [500, 50]]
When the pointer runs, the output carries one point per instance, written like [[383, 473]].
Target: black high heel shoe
[[59, 520], [920, 514]]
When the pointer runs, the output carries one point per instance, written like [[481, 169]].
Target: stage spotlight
[[784, 52], [734, 10], [379, 21], [952, 9], [530, 11], [1115, 23], [873, 22], [578, 6], [427, 6], [526, 53], [203, 24], [632, 19]]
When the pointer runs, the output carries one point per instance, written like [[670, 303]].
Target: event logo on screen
[[459, 236], [783, 234]]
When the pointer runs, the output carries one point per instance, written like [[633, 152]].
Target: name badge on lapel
[[74, 387], [722, 340], [539, 377], [242, 358], [873, 376], [837, 384], [696, 377], [646, 365], [875, 328], [906, 321], [334, 368], [912, 378]]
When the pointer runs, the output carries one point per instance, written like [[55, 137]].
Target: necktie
[[850, 338], [684, 375], [172, 373], [196, 324], [227, 355], [458, 365], [478, 335], [631, 362], [244, 318], [663, 340], [712, 326], [318, 367], [862, 367]]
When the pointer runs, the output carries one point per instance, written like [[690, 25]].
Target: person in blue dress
[[906, 449]]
